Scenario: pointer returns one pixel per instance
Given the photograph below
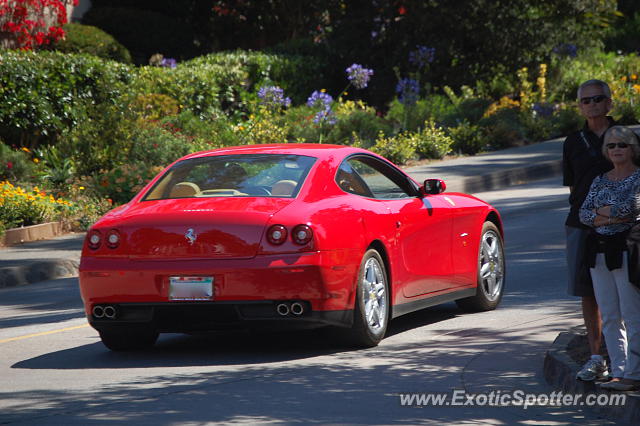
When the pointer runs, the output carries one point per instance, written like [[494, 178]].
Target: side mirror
[[434, 186]]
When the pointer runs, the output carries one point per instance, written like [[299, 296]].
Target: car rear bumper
[[197, 316], [245, 291]]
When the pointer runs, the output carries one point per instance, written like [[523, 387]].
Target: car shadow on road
[[223, 348]]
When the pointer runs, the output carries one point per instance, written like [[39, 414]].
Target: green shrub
[[16, 165], [566, 120], [204, 89], [432, 141], [468, 139], [297, 75], [93, 41], [29, 206], [504, 129], [398, 149], [45, 94], [160, 146], [356, 121], [154, 106], [412, 117], [626, 113], [215, 131], [121, 183]]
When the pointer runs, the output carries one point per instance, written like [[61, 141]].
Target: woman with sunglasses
[[610, 209]]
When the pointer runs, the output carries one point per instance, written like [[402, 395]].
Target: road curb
[[36, 271], [505, 178], [560, 372]]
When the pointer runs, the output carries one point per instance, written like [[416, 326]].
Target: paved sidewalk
[[40, 260]]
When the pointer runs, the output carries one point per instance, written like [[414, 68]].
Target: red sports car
[[298, 235]]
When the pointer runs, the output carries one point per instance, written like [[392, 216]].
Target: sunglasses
[[619, 145], [597, 99]]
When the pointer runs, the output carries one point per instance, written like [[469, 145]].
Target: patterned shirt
[[620, 195]]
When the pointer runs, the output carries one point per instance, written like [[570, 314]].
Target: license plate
[[190, 288]]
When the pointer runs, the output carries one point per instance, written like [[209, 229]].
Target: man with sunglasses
[[582, 161]]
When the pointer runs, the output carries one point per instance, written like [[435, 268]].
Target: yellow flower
[[323, 90], [624, 78], [634, 77], [81, 187], [35, 160], [636, 87], [25, 149]]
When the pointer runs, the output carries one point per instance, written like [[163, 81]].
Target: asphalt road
[[54, 370]]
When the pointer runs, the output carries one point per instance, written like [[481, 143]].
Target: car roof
[[309, 149]]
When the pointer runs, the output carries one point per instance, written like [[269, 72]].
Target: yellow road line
[[44, 333]]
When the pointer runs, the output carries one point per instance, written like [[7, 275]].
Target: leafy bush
[[154, 106], [356, 121], [566, 120], [297, 75], [468, 139], [121, 183], [158, 146], [412, 117], [215, 131], [398, 149], [504, 129], [44, 94], [93, 41], [432, 141], [20, 207], [204, 89], [16, 165]]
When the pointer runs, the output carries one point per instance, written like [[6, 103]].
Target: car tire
[[372, 304], [491, 272], [128, 340]]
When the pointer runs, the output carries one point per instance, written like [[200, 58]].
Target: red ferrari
[[297, 235]]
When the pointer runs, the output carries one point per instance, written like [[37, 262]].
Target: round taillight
[[302, 234], [277, 234], [94, 240], [113, 239]]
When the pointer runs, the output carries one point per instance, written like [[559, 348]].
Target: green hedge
[[92, 40], [297, 75], [43, 94]]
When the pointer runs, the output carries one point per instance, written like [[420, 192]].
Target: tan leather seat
[[184, 189], [283, 188]]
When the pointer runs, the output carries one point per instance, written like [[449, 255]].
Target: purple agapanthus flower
[[273, 97], [323, 101], [359, 76], [325, 116], [320, 99], [408, 91], [422, 56], [168, 63]]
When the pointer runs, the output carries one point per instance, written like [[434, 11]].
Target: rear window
[[255, 175]]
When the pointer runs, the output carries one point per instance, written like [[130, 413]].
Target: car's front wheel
[[371, 313], [491, 272], [128, 340]]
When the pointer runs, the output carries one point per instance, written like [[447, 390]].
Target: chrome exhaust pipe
[[109, 312], [283, 309], [98, 311], [297, 308]]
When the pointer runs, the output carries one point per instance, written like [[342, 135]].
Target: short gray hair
[[601, 84], [623, 134]]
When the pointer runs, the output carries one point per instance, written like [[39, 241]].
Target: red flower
[[402, 10], [9, 165]]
